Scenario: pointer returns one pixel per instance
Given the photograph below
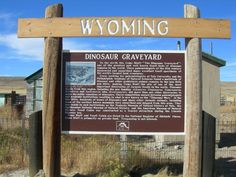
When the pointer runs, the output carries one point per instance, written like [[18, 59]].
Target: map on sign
[[131, 92]]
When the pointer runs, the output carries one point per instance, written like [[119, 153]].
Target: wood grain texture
[[209, 137], [193, 128], [51, 99], [35, 143], [71, 27], [211, 89]]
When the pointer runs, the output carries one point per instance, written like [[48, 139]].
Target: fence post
[[51, 99], [208, 155], [35, 143], [123, 148], [193, 128], [23, 136]]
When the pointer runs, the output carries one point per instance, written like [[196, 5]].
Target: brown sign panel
[[124, 27], [131, 92]]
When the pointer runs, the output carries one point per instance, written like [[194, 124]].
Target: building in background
[[34, 92], [211, 99], [3, 99], [12, 91], [12, 99]]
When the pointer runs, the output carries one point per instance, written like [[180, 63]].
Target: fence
[[8, 123], [226, 149], [93, 153], [148, 150], [224, 102], [13, 144]]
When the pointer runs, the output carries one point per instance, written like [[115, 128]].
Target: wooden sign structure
[[53, 28]]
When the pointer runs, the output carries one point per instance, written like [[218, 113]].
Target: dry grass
[[11, 141], [228, 89], [11, 150], [228, 109], [83, 154], [98, 155], [8, 112], [88, 154], [9, 118]]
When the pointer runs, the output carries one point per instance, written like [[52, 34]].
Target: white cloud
[[26, 49], [31, 48]]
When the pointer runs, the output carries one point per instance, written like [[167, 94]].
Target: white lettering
[[87, 56], [115, 30], [139, 26], [86, 26], [121, 27], [165, 28], [100, 26], [127, 28], [146, 25]]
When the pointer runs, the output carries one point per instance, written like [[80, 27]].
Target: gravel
[[17, 173]]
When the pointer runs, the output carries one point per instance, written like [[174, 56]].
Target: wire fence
[[8, 123], [93, 152], [13, 144], [225, 158]]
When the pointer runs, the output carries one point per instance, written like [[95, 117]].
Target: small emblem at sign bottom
[[122, 125]]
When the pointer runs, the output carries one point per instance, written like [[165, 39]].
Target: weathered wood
[[211, 88], [123, 148], [35, 143], [208, 155], [193, 128], [72, 27], [51, 99], [24, 144]]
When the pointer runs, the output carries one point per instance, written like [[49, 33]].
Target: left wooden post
[[35, 143], [51, 99]]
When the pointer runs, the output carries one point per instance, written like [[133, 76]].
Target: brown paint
[[157, 125]]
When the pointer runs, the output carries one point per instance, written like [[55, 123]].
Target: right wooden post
[[193, 127]]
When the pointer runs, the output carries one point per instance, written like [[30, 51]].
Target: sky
[[22, 57]]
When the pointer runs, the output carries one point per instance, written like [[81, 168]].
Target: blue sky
[[22, 57]]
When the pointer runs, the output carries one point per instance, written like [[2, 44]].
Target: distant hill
[[18, 84], [9, 84], [228, 89]]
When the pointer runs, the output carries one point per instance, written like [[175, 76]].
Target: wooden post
[[208, 155], [51, 99], [23, 136], [193, 128], [35, 143], [123, 148]]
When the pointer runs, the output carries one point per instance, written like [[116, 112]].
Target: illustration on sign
[[80, 73], [123, 91]]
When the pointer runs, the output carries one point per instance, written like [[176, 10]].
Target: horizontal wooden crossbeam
[[123, 27]]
